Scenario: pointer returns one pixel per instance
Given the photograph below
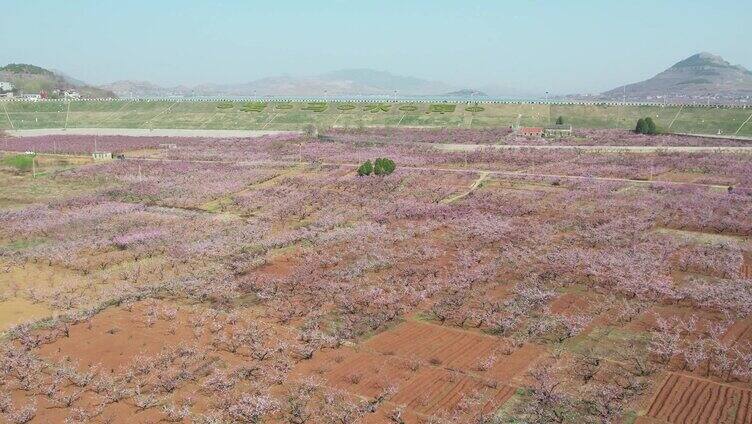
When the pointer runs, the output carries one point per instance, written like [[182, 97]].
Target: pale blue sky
[[560, 46]]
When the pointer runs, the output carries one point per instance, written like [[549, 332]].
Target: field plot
[[358, 372], [434, 391], [455, 349], [261, 279], [684, 399]]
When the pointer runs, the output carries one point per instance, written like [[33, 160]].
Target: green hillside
[[295, 115], [34, 79]]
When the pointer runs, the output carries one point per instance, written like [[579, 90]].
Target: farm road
[[453, 147]]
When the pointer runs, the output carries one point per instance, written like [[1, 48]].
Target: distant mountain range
[[692, 79], [338, 83], [697, 77], [465, 93], [30, 79]]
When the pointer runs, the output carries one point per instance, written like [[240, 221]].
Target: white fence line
[[399, 101]]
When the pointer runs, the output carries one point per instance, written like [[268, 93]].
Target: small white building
[[6, 86], [71, 94], [32, 97], [100, 156]]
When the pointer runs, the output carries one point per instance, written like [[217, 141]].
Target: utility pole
[[34, 166]]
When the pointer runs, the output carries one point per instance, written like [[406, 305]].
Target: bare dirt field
[[684, 399]]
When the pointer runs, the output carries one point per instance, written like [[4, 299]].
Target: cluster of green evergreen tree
[[381, 166], [646, 126]]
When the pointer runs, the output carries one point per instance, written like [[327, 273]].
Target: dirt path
[[143, 132], [113, 113], [675, 116], [743, 124], [483, 176], [400, 121], [269, 121], [67, 113], [452, 147], [729, 137], [7, 115], [145, 124]]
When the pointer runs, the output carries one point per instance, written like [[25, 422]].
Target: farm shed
[[102, 156], [531, 131]]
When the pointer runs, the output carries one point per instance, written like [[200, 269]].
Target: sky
[[572, 46]]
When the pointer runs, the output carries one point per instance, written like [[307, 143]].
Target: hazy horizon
[[578, 47]]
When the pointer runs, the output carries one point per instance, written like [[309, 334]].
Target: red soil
[[280, 267], [115, 336], [357, 372], [739, 334], [685, 399], [647, 320], [455, 349], [433, 368], [436, 390], [434, 344], [382, 416]]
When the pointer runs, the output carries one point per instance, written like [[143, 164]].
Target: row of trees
[[381, 166]]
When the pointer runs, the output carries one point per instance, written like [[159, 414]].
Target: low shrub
[[408, 108], [441, 108], [20, 162], [383, 166], [375, 108], [283, 106], [646, 126], [315, 107], [253, 107], [345, 107], [475, 109], [365, 169], [225, 105]]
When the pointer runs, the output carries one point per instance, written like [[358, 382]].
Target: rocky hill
[[697, 77]]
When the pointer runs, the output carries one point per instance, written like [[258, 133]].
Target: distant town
[[9, 91]]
